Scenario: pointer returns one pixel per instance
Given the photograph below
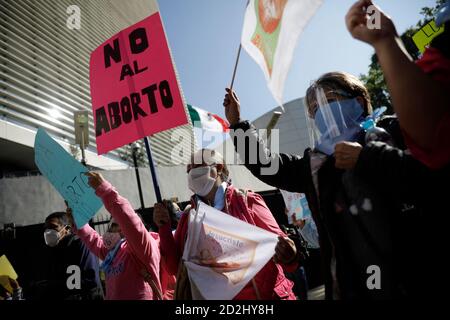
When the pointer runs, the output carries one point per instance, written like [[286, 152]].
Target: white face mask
[[110, 239], [51, 237], [200, 181]]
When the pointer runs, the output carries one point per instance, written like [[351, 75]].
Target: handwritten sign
[[134, 88], [67, 176], [296, 206], [426, 34]]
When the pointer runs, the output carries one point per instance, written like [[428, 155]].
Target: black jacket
[[357, 220], [52, 284]]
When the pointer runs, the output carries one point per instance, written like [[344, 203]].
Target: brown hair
[[338, 81]]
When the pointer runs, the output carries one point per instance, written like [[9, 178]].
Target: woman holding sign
[[129, 252], [208, 179]]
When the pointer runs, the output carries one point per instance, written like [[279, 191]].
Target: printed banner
[[222, 253]]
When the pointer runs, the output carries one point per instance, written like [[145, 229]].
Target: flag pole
[[237, 58], [153, 171], [235, 66]]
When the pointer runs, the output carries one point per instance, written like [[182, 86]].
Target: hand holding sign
[[95, 179], [67, 175]]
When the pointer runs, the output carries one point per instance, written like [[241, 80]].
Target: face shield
[[335, 116]]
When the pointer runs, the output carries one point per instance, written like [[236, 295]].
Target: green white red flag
[[207, 121]]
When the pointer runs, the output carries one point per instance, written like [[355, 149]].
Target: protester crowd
[[376, 187]]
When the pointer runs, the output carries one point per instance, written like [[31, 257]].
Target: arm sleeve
[[142, 244], [169, 249], [92, 240], [282, 170], [89, 268]]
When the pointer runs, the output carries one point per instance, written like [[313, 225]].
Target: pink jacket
[[270, 280], [125, 281]]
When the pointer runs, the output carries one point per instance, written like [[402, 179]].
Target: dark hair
[[61, 216], [442, 41]]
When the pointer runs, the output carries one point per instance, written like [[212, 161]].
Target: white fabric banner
[[222, 253], [270, 33]]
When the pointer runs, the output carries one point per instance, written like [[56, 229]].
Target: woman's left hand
[[95, 179], [285, 251]]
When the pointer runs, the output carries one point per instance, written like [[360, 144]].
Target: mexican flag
[[207, 120], [270, 33]]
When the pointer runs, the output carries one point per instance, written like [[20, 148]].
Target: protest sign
[[67, 176], [426, 34], [134, 87], [222, 253], [296, 206]]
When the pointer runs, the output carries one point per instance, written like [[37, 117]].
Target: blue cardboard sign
[[66, 174]]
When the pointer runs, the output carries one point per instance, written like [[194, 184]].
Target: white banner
[[270, 33], [222, 253]]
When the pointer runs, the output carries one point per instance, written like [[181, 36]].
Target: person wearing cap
[[420, 91], [130, 254]]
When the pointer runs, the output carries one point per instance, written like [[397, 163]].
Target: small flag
[[270, 33], [207, 120]]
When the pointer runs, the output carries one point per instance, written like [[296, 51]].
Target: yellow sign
[[6, 271], [425, 35]]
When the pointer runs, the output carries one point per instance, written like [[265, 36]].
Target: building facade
[[44, 77]]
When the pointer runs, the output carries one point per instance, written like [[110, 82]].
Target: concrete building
[[44, 76]]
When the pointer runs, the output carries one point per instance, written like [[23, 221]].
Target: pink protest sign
[[134, 88]]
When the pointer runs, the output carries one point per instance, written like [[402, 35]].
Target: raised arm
[[287, 172], [419, 101], [91, 239], [142, 244]]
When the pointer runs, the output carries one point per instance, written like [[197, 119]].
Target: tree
[[374, 79]]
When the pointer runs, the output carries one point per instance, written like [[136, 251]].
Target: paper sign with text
[[66, 174], [426, 34], [134, 87], [296, 206]]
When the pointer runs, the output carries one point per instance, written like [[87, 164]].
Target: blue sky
[[204, 37]]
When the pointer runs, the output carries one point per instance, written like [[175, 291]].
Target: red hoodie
[[270, 280], [437, 66]]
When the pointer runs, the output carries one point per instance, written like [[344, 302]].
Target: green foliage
[[374, 79]]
